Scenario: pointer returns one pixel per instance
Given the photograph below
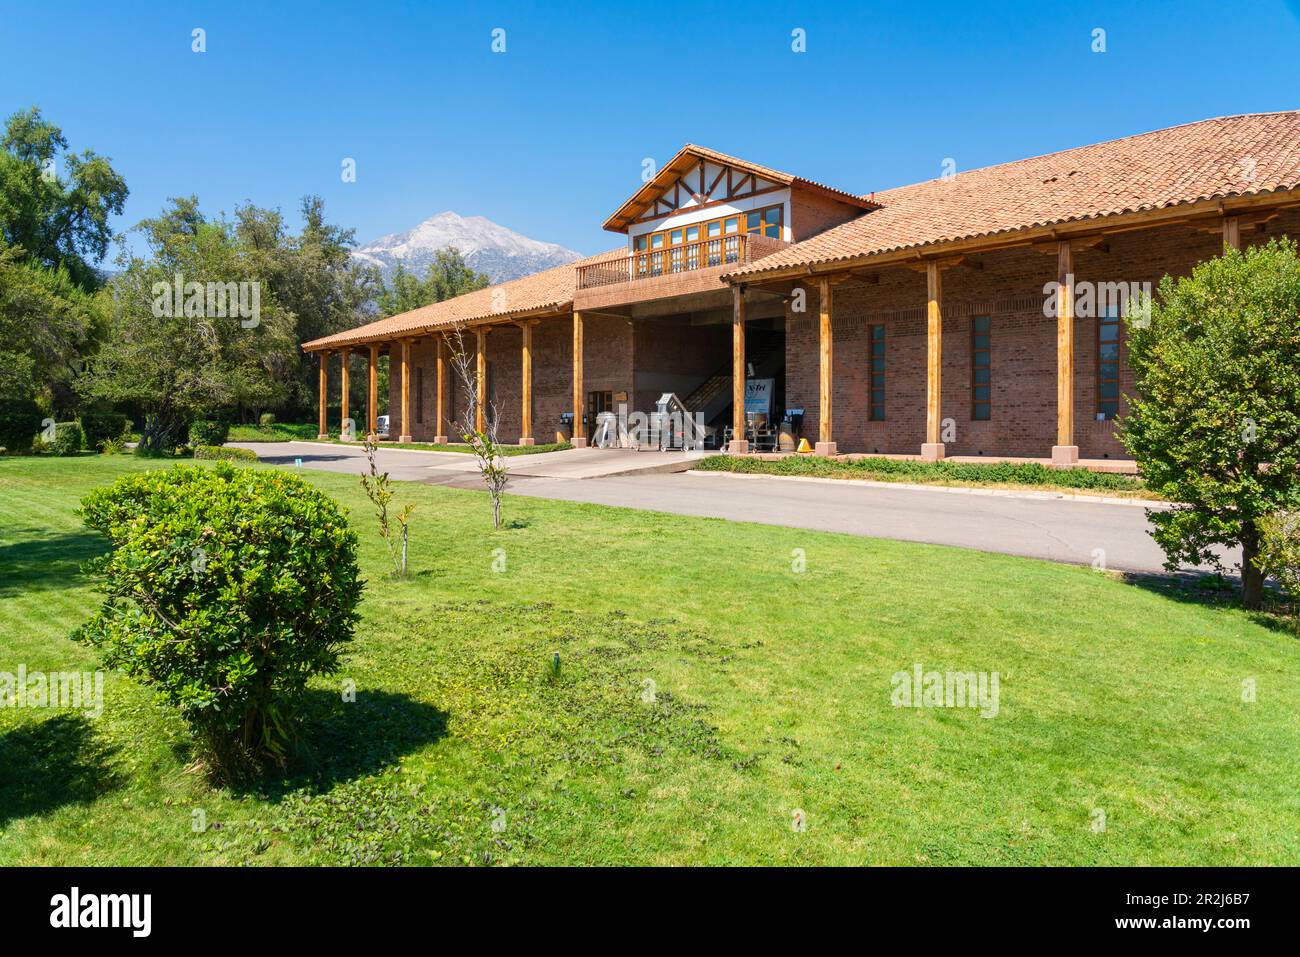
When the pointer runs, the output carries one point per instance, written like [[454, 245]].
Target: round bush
[[227, 590], [20, 420], [102, 425], [209, 432], [224, 453], [266, 420], [67, 439]]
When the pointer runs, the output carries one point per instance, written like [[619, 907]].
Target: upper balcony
[[683, 269]]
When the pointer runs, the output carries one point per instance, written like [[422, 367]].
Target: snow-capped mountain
[[501, 253]]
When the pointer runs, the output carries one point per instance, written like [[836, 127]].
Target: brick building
[[975, 314]]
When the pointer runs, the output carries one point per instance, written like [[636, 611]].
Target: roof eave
[[1169, 214]]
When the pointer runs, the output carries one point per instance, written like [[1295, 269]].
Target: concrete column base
[[931, 451], [738, 447], [828, 449], [1065, 456], [579, 443], [440, 440], [405, 438], [527, 440]]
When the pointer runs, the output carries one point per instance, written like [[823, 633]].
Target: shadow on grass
[[340, 740], [39, 561], [53, 764], [1215, 591]]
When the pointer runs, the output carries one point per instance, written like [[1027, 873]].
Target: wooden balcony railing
[[685, 257]]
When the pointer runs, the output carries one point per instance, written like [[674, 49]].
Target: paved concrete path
[[1061, 530], [459, 468]]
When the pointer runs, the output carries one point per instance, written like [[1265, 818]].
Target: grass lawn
[[1019, 475], [279, 432], [706, 690]]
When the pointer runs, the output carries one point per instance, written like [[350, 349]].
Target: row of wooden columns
[[1064, 453], [404, 370]]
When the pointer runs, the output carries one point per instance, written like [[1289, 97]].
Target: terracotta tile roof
[[550, 289], [688, 156], [1211, 159]]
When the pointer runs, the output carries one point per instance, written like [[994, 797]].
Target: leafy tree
[[1215, 425], [47, 325], [313, 276], [58, 217], [447, 276], [174, 361]]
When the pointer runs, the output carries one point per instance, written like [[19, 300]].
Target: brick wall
[[1009, 287], [671, 355]]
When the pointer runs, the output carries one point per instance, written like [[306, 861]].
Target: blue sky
[[549, 137]]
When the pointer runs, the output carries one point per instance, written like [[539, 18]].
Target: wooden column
[[825, 443], [1065, 453], [405, 434], [480, 378], [526, 375], [323, 429], [372, 410], [579, 433], [739, 444], [344, 432], [440, 436], [1232, 232], [932, 449]]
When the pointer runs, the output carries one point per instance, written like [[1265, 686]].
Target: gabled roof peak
[[693, 156]]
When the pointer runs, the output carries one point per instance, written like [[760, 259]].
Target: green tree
[[47, 324], [313, 276], [57, 217], [1215, 424], [176, 357], [447, 276]]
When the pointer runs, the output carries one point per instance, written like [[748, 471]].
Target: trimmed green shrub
[[266, 420], [67, 439], [911, 470], [227, 590], [99, 425], [20, 420], [223, 453], [209, 432], [1279, 553]]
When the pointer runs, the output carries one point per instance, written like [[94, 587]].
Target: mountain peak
[[487, 246]]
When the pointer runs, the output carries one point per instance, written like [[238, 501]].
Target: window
[[876, 338], [598, 402], [1108, 363], [981, 328], [764, 222], [419, 395]]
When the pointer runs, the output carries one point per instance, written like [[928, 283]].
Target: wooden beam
[[579, 434], [480, 377], [372, 406], [1065, 452], [825, 442], [404, 435], [343, 413], [526, 402], [739, 444], [933, 449], [1232, 232], [323, 429], [439, 436]]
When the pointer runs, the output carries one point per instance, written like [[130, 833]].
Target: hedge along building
[[974, 314]]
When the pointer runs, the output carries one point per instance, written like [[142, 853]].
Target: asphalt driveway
[[1070, 530]]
